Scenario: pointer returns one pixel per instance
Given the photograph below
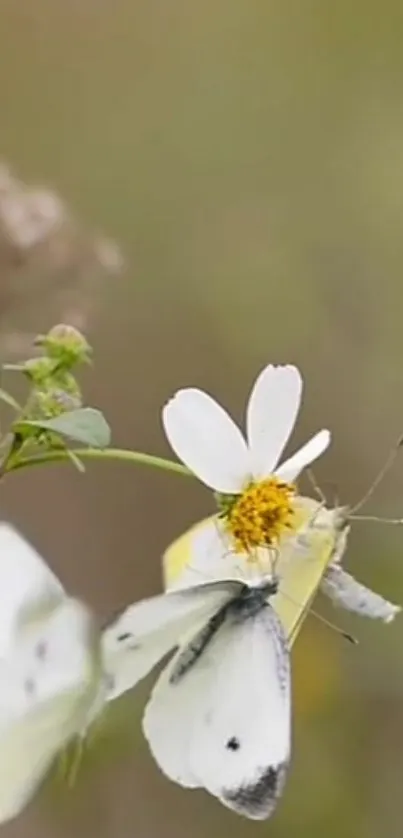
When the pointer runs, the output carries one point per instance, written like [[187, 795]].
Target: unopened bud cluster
[[54, 387], [65, 345]]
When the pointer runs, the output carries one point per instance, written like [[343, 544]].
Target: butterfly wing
[[225, 724], [346, 592], [301, 560], [48, 683], [146, 631], [26, 583]]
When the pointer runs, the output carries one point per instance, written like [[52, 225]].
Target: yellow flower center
[[259, 516]]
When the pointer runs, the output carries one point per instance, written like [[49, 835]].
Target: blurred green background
[[247, 156]]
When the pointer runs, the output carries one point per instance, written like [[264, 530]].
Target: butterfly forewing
[[48, 684], [224, 725], [27, 585], [146, 631]]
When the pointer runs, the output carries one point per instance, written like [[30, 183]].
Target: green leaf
[[85, 425], [8, 399]]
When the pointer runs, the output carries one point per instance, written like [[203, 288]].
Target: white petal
[[309, 452], [205, 438], [271, 414]]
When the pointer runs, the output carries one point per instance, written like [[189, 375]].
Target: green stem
[[136, 457]]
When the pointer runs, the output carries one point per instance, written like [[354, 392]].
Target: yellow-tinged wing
[[318, 538]]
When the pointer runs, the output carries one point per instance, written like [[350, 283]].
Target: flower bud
[[66, 345]]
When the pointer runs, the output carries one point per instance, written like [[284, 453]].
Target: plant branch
[[119, 454]]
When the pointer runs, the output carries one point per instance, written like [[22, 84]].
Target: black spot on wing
[[29, 687], [258, 800], [233, 744], [109, 682], [128, 641], [41, 650]]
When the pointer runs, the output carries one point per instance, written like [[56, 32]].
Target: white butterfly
[[219, 715], [50, 670]]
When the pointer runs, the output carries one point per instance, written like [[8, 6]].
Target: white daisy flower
[[256, 496]]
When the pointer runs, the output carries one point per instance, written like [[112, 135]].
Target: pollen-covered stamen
[[258, 516]]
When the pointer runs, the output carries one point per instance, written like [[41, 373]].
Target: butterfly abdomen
[[246, 605], [251, 601], [195, 648]]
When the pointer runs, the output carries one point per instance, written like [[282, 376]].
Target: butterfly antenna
[[63, 763], [379, 477], [76, 757], [197, 572], [241, 567], [345, 634], [328, 623], [319, 491], [376, 519], [315, 486]]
